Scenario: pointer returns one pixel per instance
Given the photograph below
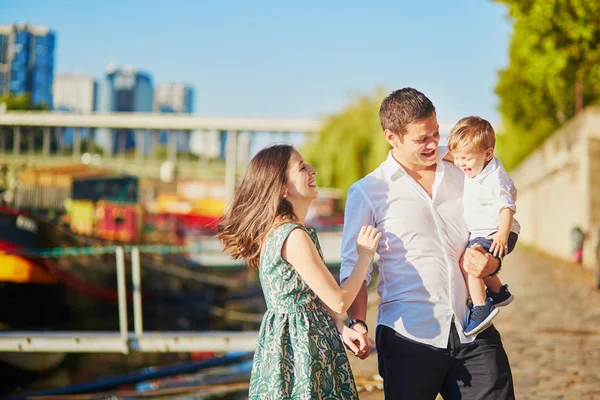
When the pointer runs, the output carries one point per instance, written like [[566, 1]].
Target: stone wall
[[559, 188]]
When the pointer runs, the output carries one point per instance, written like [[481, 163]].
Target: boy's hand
[[499, 246]]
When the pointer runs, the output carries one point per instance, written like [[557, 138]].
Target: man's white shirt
[[421, 286], [485, 195]]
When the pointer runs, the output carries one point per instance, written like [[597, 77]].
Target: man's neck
[[417, 169]]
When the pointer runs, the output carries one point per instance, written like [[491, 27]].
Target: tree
[[349, 145], [553, 71], [21, 102]]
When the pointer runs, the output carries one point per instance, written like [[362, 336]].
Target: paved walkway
[[551, 331]]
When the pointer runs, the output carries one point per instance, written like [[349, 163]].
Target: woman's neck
[[301, 210]]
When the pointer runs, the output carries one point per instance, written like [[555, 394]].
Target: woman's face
[[300, 183]]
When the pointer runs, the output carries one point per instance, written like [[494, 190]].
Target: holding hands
[[357, 341]]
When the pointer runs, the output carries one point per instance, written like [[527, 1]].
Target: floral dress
[[299, 354]]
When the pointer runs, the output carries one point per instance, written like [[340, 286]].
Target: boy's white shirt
[[485, 195]]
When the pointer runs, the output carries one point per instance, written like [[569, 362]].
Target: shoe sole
[[485, 324], [505, 302]]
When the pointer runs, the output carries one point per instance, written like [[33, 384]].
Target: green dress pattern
[[299, 354]]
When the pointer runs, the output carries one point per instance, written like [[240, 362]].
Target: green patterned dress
[[299, 354]]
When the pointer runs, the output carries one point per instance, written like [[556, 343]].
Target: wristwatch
[[358, 321], [497, 271]]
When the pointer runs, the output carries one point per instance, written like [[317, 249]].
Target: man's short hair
[[472, 130], [403, 107]]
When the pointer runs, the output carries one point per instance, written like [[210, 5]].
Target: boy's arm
[[506, 221], [499, 245], [506, 197]]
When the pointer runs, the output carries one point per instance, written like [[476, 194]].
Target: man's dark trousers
[[472, 371]]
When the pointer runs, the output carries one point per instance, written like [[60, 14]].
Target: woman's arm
[[301, 253], [359, 343]]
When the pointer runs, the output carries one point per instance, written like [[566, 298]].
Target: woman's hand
[[367, 241], [357, 342]]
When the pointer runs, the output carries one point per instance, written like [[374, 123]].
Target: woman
[[299, 353]]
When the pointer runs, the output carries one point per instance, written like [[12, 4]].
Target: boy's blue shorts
[[487, 243]]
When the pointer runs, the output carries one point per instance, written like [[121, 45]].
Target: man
[[415, 200]]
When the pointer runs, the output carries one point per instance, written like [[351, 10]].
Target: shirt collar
[[492, 166], [392, 168]]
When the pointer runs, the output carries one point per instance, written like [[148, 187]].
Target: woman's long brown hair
[[257, 205]]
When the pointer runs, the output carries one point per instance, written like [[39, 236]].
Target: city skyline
[[27, 61], [308, 60]]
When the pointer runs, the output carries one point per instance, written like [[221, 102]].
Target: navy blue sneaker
[[480, 318], [501, 299]]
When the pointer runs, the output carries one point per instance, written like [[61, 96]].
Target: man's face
[[420, 142]]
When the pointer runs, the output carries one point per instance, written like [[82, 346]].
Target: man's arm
[[359, 212], [358, 309], [479, 263]]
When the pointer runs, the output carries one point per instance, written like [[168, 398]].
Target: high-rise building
[[174, 97], [27, 61], [75, 93], [122, 90]]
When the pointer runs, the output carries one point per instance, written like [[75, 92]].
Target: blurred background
[[125, 127]]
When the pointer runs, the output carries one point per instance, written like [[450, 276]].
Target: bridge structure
[[146, 127]]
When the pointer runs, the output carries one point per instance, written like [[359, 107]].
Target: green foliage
[[349, 145], [21, 102], [554, 71]]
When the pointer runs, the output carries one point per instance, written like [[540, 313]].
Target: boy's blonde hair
[[472, 130]]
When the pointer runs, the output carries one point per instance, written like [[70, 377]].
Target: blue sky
[[284, 59]]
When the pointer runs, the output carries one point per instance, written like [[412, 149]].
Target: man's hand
[[478, 262], [357, 341]]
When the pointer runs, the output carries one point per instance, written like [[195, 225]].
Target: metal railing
[[125, 341]]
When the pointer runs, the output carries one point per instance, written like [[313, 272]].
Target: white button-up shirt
[[485, 195], [421, 286]]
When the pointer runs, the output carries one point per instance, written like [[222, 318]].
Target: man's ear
[[392, 138]]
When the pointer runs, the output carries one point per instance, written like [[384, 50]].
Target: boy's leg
[[483, 311], [476, 290], [410, 370], [498, 292], [475, 286], [494, 283], [480, 370]]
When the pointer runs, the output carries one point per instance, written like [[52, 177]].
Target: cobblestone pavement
[[551, 331]]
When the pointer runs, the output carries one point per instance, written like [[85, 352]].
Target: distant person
[[299, 353], [489, 199], [415, 200]]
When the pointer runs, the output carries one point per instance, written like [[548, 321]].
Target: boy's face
[[472, 160]]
